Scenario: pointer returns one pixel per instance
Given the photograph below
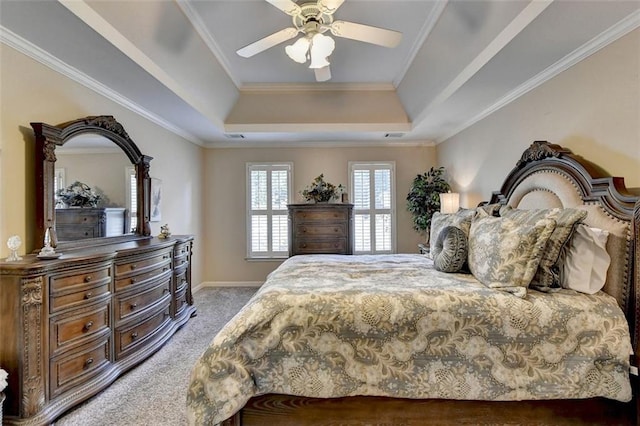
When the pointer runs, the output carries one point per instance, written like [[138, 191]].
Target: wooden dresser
[[81, 223], [322, 228], [71, 326]]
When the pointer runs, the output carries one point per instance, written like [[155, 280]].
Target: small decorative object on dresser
[[164, 231], [13, 243], [320, 228]]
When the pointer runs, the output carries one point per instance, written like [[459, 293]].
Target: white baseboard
[[226, 284]]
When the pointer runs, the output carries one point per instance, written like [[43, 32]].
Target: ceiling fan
[[313, 19]]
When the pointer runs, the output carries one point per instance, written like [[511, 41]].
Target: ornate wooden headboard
[[549, 175]]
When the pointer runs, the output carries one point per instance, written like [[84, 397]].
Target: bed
[[351, 334]]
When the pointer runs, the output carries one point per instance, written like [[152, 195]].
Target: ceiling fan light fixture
[[298, 50], [321, 47]]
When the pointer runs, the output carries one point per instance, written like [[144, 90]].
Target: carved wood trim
[[33, 399]]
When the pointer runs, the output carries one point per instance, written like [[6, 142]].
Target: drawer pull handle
[[88, 278], [335, 229], [84, 218], [88, 326], [165, 290], [134, 335], [165, 256], [304, 230], [134, 305], [134, 280], [134, 266], [165, 269], [184, 261], [304, 246], [183, 281], [88, 362], [88, 295]]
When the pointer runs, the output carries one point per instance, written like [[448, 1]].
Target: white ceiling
[[174, 62]]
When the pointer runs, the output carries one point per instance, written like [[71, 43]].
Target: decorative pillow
[[584, 267], [450, 250], [504, 253], [547, 275], [460, 219]]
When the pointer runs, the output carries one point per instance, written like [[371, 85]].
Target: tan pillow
[[504, 253], [548, 275], [584, 267]]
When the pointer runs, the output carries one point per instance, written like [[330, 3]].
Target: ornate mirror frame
[[49, 137]]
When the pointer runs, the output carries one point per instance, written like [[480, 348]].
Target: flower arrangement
[[321, 191], [78, 194], [3, 379]]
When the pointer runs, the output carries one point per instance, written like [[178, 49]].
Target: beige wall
[[225, 197], [33, 92], [592, 108]]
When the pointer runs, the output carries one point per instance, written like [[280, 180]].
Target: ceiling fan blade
[[287, 6], [267, 42], [366, 33], [329, 6], [323, 74]]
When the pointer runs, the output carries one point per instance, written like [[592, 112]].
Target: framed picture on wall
[[156, 199]]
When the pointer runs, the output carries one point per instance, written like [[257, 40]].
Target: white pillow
[[584, 268]]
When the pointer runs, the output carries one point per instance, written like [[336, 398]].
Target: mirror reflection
[[94, 189]]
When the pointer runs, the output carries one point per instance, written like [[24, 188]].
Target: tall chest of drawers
[[71, 326], [322, 228]]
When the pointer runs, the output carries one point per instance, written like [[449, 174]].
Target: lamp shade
[[298, 50], [449, 202], [321, 47]]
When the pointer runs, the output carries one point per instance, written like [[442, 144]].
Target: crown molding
[[244, 144], [324, 87], [625, 26], [29, 49]]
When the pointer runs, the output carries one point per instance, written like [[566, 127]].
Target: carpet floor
[[154, 393]]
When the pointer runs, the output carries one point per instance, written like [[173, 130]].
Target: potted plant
[[78, 194], [423, 199], [321, 191]]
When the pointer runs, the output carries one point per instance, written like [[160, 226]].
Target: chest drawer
[[329, 229], [81, 279], [69, 371], [131, 338], [320, 215], [181, 280], [70, 330], [133, 304], [180, 301], [335, 246], [142, 278]]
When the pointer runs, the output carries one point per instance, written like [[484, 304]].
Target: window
[[59, 182], [372, 186], [268, 193], [131, 186]]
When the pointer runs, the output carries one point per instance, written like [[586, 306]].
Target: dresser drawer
[[180, 280], [69, 371], [142, 278], [131, 304], [70, 330], [320, 215], [78, 280], [83, 295], [143, 264], [130, 339], [332, 230], [336, 246], [180, 301]]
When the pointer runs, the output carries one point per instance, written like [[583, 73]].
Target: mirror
[[106, 211]]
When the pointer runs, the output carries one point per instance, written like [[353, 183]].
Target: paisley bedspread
[[391, 325]]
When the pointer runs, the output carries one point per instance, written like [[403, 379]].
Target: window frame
[[372, 166], [132, 201], [270, 254]]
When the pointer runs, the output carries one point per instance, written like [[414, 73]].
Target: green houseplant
[[423, 199]]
